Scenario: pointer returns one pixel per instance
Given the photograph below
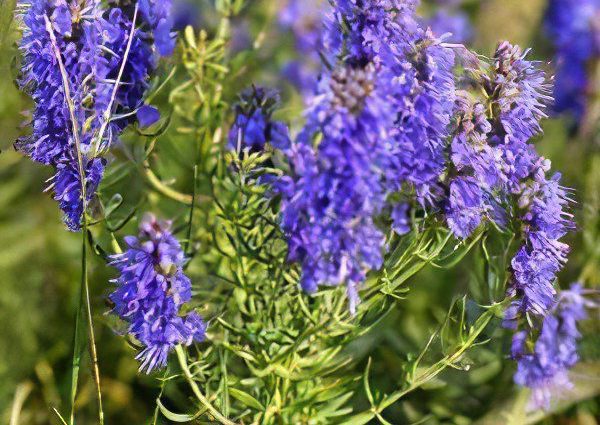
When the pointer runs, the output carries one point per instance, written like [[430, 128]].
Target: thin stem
[[85, 292], [162, 389], [76, 362], [90, 322], [190, 379], [71, 107], [438, 367], [191, 217], [108, 111], [165, 190]]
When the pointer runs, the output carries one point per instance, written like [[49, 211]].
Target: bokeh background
[[40, 260]]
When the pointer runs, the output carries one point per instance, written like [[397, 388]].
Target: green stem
[[90, 323], [431, 371], [162, 389], [190, 379], [170, 193], [438, 367], [77, 349], [84, 297], [188, 241]]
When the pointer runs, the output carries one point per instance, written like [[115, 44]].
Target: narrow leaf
[[178, 417], [246, 398]]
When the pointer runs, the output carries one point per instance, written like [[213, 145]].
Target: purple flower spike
[[573, 27], [151, 291], [545, 368], [381, 118], [90, 40]]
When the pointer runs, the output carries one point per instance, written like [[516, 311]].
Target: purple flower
[[545, 368], [501, 176], [147, 115], [335, 190], [496, 174], [573, 26], [524, 92], [422, 91], [91, 43], [543, 255], [254, 126], [151, 291], [158, 14], [465, 206], [381, 117], [52, 141], [522, 95], [41, 79]]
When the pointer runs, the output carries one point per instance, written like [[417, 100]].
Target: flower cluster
[[497, 166], [423, 98], [254, 125], [152, 289], [522, 96], [536, 264], [86, 67], [380, 118], [500, 176], [48, 45], [157, 14], [383, 118], [387, 123], [574, 28], [496, 151], [544, 368], [521, 93], [329, 204]]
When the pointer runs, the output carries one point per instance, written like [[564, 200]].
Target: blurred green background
[[40, 260]]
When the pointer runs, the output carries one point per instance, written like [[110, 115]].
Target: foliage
[[425, 345]]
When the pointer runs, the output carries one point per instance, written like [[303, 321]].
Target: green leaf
[[79, 334], [360, 419], [335, 407], [366, 384], [115, 202], [246, 398], [178, 417]]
